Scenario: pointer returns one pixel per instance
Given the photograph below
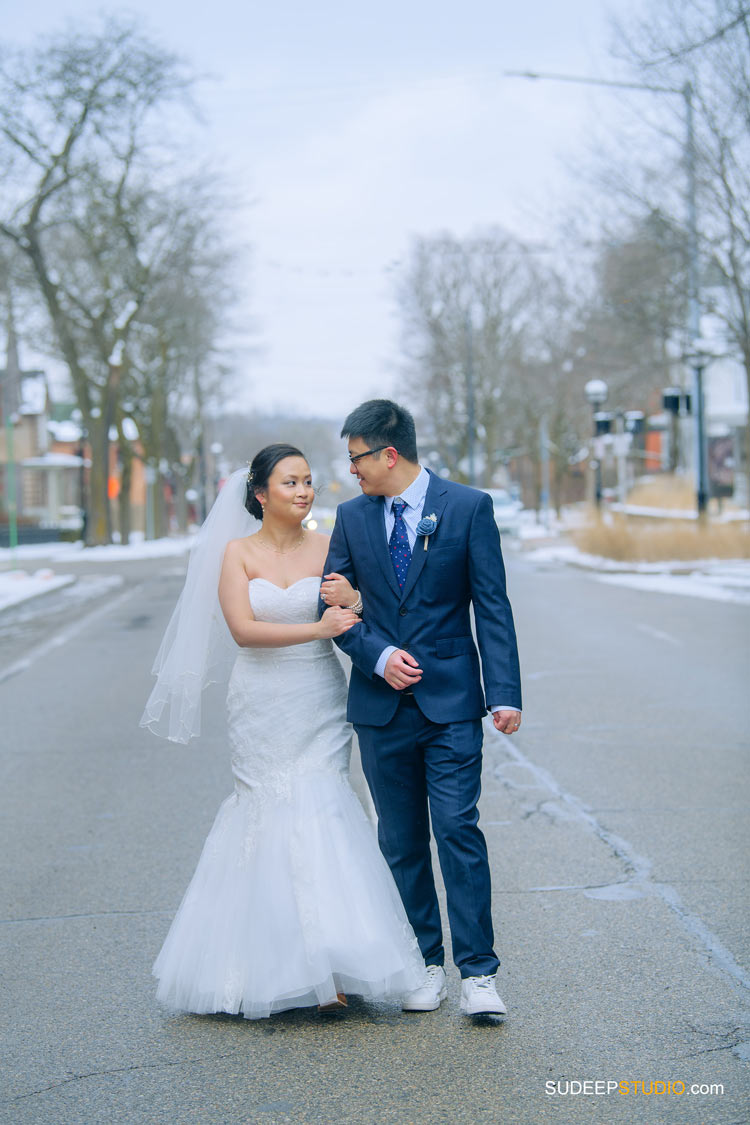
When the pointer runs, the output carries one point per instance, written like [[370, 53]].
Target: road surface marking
[[65, 635], [659, 635]]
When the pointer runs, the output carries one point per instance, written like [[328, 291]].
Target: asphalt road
[[617, 823]]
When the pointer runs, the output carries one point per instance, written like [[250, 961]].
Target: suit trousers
[[413, 765]]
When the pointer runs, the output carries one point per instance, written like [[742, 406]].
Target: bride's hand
[[336, 621], [337, 590]]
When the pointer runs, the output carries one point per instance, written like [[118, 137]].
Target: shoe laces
[[433, 972], [485, 983]]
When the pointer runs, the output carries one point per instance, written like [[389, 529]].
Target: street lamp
[[700, 355], [596, 391], [698, 363]]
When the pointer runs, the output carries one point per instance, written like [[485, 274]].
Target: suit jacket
[[461, 568]]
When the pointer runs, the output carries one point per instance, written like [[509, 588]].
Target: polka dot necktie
[[398, 544]]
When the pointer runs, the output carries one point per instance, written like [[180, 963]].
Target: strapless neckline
[[268, 582]]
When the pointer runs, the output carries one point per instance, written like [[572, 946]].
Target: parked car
[[507, 511]]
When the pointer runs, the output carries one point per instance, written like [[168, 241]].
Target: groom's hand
[[507, 722], [402, 670]]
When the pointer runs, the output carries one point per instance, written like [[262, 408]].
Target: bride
[[291, 903]]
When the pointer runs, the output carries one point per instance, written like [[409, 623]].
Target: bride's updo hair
[[263, 464]]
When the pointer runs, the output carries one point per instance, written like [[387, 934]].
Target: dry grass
[[632, 542], [665, 491]]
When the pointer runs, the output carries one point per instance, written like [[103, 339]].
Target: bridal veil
[[197, 648]]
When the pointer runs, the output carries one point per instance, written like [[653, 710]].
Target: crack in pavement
[[708, 1051], [577, 887], [93, 914], [637, 868], [120, 1070]]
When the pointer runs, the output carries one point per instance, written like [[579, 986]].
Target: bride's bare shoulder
[[239, 548], [319, 543]]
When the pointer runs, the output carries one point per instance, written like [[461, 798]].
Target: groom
[[423, 551]]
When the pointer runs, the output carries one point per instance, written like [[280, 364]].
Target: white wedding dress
[[291, 900]]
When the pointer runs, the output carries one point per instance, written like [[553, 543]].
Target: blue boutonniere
[[426, 527]]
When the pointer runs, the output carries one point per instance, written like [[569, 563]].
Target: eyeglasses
[[358, 456]]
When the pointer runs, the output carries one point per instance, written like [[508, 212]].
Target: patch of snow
[[129, 311], [18, 586], [656, 513], [689, 585], [717, 579], [26, 552], [115, 360], [571, 556], [143, 549], [567, 553], [66, 431], [531, 526], [138, 548], [33, 393], [53, 461]]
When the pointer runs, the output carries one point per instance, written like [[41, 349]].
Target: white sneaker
[[479, 995], [428, 996]]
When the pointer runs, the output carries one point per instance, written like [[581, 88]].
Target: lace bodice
[[293, 604], [286, 705], [286, 605]]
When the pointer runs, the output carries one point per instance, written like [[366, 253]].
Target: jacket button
[[403, 611]]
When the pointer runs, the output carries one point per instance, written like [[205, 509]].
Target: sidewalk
[[22, 578], [726, 580]]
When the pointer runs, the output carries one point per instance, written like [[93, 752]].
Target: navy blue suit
[[424, 750]]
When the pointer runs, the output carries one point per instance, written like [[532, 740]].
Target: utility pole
[[544, 458], [694, 314], [470, 409]]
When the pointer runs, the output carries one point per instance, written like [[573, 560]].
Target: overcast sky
[[347, 129]]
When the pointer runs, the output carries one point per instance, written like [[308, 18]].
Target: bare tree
[[78, 199], [176, 368], [632, 311], [706, 44], [466, 312], [489, 332], [548, 404]]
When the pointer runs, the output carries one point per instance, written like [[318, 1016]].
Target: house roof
[[54, 461], [67, 431]]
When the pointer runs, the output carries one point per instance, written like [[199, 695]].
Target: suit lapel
[[434, 503], [375, 521]]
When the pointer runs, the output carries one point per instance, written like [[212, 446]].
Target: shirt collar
[[415, 494]]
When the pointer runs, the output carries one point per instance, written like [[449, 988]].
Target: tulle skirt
[[291, 902]]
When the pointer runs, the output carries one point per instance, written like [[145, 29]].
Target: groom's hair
[[382, 422]]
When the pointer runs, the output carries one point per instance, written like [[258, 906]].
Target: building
[[40, 474]]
